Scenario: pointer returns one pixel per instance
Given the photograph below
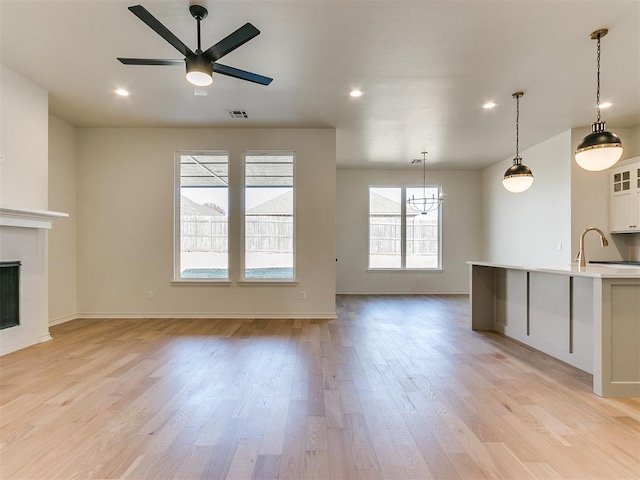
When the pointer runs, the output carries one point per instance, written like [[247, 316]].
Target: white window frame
[[403, 232], [243, 279], [177, 221]]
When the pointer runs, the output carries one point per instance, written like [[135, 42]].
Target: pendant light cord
[[517, 125], [517, 159], [598, 81]]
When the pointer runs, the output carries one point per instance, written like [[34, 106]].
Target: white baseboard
[[244, 316], [402, 293], [59, 320]]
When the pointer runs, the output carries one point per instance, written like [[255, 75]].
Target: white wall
[[23, 142], [461, 232], [631, 142], [62, 238], [126, 227], [526, 228]]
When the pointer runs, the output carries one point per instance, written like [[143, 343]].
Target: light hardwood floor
[[397, 387]]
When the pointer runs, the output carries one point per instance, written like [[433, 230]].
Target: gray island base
[[587, 317]]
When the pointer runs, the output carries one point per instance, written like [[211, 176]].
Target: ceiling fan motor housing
[[199, 63], [198, 12]]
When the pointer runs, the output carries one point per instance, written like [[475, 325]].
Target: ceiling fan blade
[[144, 15], [231, 42], [149, 61], [241, 74]]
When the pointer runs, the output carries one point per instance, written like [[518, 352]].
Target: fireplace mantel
[[28, 218]]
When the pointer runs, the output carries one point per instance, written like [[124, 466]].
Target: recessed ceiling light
[[355, 93], [605, 104], [489, 105], [122, 92]]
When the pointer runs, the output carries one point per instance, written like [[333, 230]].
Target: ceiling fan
[[200, 64]]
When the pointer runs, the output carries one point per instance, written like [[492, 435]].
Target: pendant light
[[518, 177], [600, 149], [424, 204]]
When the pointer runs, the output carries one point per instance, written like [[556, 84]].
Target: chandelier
[[425, 204]]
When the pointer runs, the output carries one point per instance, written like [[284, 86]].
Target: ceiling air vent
[[238, 113]]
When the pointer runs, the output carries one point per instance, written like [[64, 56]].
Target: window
[[269, 216], [267, 244], [400, 238], [202, 209]]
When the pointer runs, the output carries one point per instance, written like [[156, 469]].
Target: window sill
[[405, 270], [202, 281], [266, 281]]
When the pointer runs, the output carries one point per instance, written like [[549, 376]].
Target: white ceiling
[[426, 68]]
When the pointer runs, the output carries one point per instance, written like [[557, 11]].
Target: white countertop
[[591, 270]]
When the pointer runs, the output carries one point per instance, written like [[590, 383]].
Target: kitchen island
[[588, 317]]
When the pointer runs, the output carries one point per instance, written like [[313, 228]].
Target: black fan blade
[[149, 61], [241, 74], [144, 15], [231, 42]]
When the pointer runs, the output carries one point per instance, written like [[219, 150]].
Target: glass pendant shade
[[518, 177], [599, 150], [199, 71]]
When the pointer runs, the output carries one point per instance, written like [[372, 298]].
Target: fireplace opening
[[9, 294]]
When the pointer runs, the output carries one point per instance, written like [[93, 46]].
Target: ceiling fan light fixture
[[199, 71], [600, 149]]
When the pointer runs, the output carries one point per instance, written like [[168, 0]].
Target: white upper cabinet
[[625, 196]]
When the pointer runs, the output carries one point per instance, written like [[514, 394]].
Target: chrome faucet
[[581, 256]]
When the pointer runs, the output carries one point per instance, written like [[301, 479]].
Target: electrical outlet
[[559, 245], [150, 294], [303, 295]]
